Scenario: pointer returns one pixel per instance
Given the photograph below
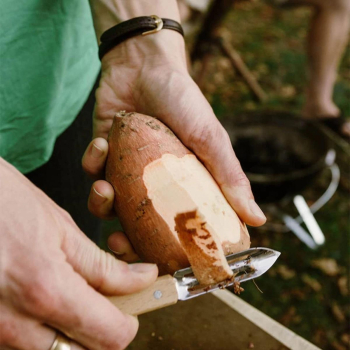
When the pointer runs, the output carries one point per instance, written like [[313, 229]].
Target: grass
[[301, 296], [304, 298], [272, 44]]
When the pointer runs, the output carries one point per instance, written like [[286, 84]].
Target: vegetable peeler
[[183, 285]]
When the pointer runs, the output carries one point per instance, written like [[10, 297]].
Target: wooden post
[[215, 15], [241, 68]]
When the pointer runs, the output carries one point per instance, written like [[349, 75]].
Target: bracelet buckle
[[159, 22]]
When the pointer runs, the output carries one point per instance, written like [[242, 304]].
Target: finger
[[119, 244], [103, 271], [62, 299], [24, 333], [101, 200], [94, 158], [107, 104], [221, 161], [200, 131]]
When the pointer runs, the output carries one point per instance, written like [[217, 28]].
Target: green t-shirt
[[48, 55]]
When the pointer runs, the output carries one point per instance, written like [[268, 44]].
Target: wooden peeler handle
[[160, 294]]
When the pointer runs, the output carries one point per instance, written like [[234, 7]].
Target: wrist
[[161, 48], [107, 13]]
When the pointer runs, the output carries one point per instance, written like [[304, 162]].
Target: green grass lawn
[[272, 44]]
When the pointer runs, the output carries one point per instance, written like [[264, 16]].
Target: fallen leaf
[[327, 266], [337, 312], [288, 317], [218, 78], [285, 272], [262, 68], [345, 338], [224, 63], [298, 294], [337, 346], [343, 285], [288, 91], [319, 336], [311, 282]]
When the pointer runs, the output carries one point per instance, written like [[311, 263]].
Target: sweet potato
[[169, 205]]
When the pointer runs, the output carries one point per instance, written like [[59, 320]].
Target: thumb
[[101, 270]]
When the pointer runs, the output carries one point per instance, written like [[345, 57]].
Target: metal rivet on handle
[[157, 294]]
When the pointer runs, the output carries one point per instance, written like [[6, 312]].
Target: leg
[[326, 43]]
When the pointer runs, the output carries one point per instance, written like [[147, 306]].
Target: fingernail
[[255, 209], [96, 151], [114, 251], [142, 267], [100, 197]]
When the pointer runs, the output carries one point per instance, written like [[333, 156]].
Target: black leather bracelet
[[136, 26]]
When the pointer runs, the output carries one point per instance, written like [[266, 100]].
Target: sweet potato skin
[[135, 140]]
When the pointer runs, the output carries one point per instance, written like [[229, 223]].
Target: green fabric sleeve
[[49, 63]]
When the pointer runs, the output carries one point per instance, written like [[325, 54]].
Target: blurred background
[[249, 58], [308, 289]]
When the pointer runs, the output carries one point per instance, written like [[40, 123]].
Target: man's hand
[[149, 75], [144, 76], [53, 277]]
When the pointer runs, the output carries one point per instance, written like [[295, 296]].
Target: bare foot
[[320, 110]]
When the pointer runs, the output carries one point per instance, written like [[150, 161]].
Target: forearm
[[107, 13]]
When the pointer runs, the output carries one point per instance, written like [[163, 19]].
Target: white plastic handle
[[309, 219]]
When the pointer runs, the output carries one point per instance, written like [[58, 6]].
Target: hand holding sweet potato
[[144, 75]]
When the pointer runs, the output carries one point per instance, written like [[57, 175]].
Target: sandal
[[335, 124]]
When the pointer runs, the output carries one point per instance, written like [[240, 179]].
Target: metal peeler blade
[[245, 266], [183, 285]]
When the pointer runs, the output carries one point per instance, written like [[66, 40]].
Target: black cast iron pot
[[280, 153]]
